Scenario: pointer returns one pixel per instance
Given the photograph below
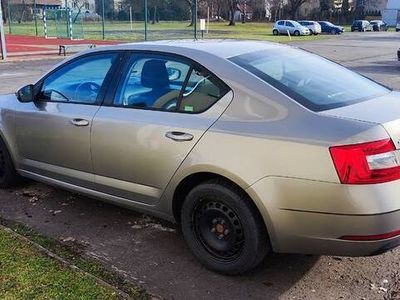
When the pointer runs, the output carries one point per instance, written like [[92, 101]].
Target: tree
[[345, 6], [293, 6], [79, 5], [232, 4]]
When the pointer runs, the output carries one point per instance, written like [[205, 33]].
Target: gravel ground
[[153, 254]]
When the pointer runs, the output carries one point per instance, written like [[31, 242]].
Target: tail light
[[366, 163]]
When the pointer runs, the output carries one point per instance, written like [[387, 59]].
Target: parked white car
[[398, 27], [313, 26], [289, 27]]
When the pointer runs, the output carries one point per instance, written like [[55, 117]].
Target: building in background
[[391, 15]]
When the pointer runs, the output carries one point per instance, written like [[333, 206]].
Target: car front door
[[53, 132], [281, 27], [162, 106], [289, 26]]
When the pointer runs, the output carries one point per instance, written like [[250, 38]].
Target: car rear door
[[159, 110], [53, 132]]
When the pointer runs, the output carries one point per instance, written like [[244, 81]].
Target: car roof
[[220, 48]]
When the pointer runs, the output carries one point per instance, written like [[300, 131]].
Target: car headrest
[[154, 74]]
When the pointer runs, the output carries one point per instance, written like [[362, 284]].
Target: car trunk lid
[[384, 110]]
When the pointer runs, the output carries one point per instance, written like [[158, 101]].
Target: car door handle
[[80, 122], [178, 136]]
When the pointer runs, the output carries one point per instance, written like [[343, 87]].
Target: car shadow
[[145, 250], [386, 67]]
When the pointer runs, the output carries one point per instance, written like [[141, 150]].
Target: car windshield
[[311, 80], [328, 23], [295, 23]]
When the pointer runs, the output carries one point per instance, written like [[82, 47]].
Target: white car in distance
[[313, 26]]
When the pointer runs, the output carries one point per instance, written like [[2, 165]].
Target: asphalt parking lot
[[153, 254]]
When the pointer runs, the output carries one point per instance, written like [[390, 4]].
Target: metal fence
[[103, 19]]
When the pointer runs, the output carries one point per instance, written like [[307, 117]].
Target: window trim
[[121, 72], [104, 87]]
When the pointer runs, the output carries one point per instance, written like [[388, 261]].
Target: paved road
[[154, 254]]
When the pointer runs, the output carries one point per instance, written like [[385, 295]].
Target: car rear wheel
[[296, 33], [275, 32], [311, 32], [223, 228], [8, 176]]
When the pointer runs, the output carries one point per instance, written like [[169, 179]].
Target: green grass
[[74, 255], [27, 273], [163, 30]]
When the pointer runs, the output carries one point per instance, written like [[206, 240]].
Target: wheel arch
[[194, 179]]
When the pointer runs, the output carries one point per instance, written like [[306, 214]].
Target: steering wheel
[[87, 92]]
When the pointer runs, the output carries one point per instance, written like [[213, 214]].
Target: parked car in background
[[398, 27], [361, 25], [313, 26], [379, 25], [328, 27], [398, 55], [293, 27]]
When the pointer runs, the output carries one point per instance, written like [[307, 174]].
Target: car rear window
[[311, 80]]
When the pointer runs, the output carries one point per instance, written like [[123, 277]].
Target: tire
[[312, 32], [275, 32], [8, 176], [223, 228], [296, 33], [333, 31]]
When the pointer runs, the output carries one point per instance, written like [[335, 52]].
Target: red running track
[[25, 43]]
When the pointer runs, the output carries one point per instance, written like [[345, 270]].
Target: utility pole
[[103, 16], [2, 36], [35, 16], [195, 19], [145, 20]]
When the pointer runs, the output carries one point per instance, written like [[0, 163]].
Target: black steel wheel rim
[[218, 229]]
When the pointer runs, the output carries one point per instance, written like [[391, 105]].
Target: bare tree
[[293, 6], [79, 5], [232, 4]]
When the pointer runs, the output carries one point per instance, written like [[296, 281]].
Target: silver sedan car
[[251, 147]]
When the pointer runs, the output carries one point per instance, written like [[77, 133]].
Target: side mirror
[[26, 93], [173, 73]]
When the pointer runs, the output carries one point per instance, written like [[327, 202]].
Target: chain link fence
[[128, 20]]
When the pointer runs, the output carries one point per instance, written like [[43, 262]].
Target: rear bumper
[[312, 217]]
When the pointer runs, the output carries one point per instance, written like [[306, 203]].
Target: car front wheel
[[223, 228], [296, 33], [8, 176]]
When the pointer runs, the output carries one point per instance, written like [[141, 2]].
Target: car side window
[[79, 81], [281, 23], [289, 24], [165, 83], [201, 92], [152, 82]]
